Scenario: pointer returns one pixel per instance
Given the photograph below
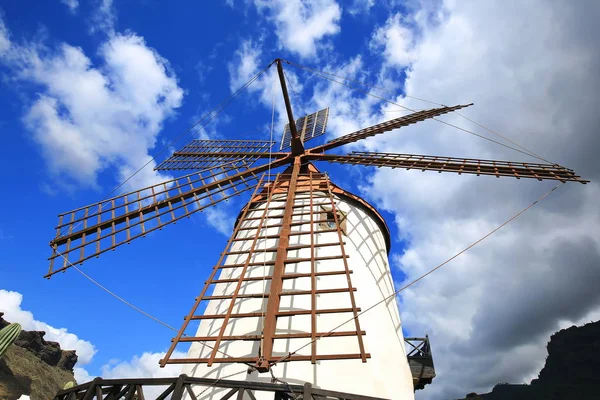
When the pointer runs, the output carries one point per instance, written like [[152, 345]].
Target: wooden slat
[[279, 313], [202, 154], [387, 126], [285, 276], [277, 336], [250, 359], [288, 293], [458, 165]]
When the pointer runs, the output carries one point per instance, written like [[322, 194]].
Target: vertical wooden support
[[98, 230], [250, 394], [127, 221], [184, 204], [270, 191], [85, 222], [229, 394], [91, 391], [280, 396], [296, 141], [113, 393], [190, 391], [167, 392], [99, 392], [347, 269], [140, 392], [140, 214], [130, 392], [307, 393], [313, 278], [278, 271], [59, 227], [112, 225], [178, 391]]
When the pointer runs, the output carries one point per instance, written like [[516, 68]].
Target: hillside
[[34, 367]]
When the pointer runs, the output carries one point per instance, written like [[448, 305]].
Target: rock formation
[[572, 369], [34, 367]]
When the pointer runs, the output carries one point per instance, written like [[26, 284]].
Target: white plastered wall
[[386, 374]]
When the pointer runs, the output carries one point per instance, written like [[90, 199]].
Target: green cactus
[[69, 385], [7, 336]]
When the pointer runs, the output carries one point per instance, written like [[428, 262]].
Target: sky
[[93, 90]]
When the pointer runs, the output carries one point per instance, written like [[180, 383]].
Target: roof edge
[[369, 209]]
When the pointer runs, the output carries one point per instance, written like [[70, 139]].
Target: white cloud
[[245, 64], [220, 219], [10, 305], [300, 26], [361, 6], [72, 4], [144, 366], [86, 117], [82, 375], [397, 41], [4, 38], [103, 18], [247, 61]]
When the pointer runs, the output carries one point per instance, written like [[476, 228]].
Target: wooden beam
[[297, 145]]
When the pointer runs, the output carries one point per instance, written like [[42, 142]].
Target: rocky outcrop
[[573, 359], [48, 352], [570, 372], [34, 367]]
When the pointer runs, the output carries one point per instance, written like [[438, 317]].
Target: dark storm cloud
[[532, 70], [563, 285]]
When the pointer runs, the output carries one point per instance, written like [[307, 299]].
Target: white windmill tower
[[302, 294]]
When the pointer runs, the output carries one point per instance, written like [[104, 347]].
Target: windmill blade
[[387, 126], [457, 165], [310, 126], [202, 154], [92, 230]]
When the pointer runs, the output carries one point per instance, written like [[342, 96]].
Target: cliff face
[[35, 367], [572, 369], [574, 359]]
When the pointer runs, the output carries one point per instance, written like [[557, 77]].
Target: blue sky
[[92, 89], [163, 272]]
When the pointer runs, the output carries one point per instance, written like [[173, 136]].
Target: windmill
[[304, 260]]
